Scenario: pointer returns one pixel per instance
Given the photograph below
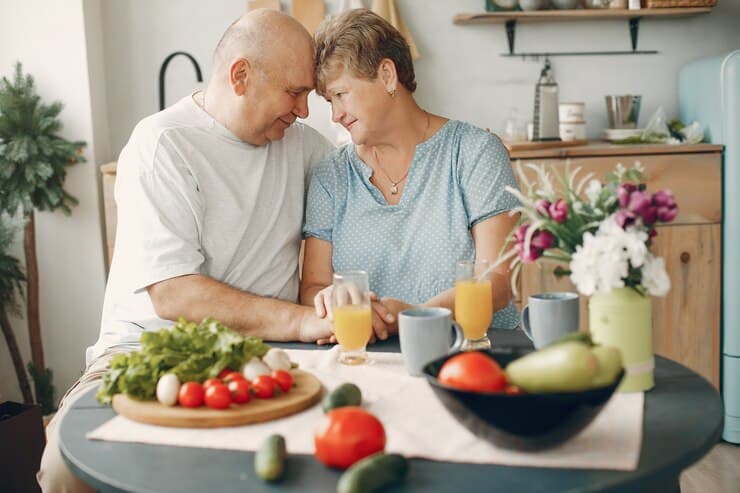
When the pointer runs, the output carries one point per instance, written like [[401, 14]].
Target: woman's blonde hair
[[357, 41]]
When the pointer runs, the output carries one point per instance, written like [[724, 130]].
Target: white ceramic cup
[[426, 334]]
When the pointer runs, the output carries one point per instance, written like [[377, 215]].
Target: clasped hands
[[384, 311]]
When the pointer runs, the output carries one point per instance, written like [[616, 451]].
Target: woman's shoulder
[[470, 134]]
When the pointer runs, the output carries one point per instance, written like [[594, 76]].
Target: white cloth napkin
[[416, 423]]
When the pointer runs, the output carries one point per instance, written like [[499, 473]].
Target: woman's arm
[[489, 236], [317, 269]]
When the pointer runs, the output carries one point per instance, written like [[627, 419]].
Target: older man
[[210, 196]]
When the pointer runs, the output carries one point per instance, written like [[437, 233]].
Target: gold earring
[[392, 93]]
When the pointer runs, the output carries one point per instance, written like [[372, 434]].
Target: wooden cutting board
[[306, 391], [263, 4], [310, 13]]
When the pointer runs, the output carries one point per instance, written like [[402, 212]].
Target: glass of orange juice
[[350, 298], [473, 303]]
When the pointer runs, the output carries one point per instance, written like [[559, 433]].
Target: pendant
[[394, 189]]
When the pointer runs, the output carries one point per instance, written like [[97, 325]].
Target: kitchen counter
[[600, 148]]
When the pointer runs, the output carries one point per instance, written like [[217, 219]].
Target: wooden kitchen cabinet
[[686, 322]]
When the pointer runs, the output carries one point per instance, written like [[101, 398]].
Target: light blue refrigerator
[[709, 92]]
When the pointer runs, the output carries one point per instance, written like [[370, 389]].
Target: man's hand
[[315, 329], [393, 307]]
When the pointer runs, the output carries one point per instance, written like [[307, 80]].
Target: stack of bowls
[[572, 117]]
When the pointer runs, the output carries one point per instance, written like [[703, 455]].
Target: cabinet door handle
[[685, 257]]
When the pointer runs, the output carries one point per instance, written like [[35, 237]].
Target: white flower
[[603, 262], [654, 276], [593, 190], [599, 265], [631, 241]]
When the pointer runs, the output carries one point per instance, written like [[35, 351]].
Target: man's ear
[[239, 73], [388, 75]]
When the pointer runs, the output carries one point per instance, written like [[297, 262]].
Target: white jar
[[572, 112], [573, 131]]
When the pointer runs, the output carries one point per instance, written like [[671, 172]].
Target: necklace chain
[[394, 184]]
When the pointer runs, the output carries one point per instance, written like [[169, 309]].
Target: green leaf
[[193, 352]]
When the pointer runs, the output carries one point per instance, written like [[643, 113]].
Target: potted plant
[[33, 166], [599, 235]]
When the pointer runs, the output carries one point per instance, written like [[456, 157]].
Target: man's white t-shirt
[[192, 198]]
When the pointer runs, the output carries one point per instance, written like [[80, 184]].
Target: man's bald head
[[264, 37]]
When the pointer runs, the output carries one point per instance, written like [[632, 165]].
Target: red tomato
[[346, 435], [283, 379], [191, 394], [218, 396], [473, 371], [212, 381], [224, 372], [264, 387], [513, 390], [239, 391], [231, 376]]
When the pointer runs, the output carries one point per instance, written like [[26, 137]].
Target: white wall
[[102, 58], [460, 72], [48, 37]]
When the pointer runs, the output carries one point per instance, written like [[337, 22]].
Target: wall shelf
[[510, 19]]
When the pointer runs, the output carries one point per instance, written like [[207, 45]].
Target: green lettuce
[[193, 352]]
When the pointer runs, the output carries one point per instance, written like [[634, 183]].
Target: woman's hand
[[393, 307], [322, 303]]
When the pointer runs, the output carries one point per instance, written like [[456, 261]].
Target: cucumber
[[373, 473], [347, 394], [269, 460]]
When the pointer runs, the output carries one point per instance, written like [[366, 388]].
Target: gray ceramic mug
[[426, 334], [549, 316]]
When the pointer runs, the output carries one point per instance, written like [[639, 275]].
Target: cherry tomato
[[191, 394], [473, 371], [346, 435], [283, 379], [212, 381], [224, 372], [264, 387], [218, 396], [239, 390], [231, 376], [513, 390]]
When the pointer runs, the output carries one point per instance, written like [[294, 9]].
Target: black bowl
[[525, 421]]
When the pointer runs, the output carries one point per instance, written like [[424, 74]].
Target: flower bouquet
[[599, 235]]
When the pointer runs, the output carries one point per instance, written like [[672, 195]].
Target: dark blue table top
[[683, 420]]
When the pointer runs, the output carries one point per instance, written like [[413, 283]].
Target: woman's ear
[[388, 76], [239, 72]]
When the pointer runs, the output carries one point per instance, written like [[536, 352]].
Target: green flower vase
[[623, 318]]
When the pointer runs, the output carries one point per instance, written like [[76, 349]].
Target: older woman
[[411, 195]]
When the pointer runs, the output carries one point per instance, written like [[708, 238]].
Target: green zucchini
[[373, 473], [269, 460], [347, 394]]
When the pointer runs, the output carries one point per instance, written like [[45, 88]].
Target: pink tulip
[[667, 214], [530, 256], [664, 198], [559, 211], [624, 218], [542, 240], [623, 192], [541, 206], [520, 233], [640, 204]]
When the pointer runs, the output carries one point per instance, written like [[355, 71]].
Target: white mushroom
[[167, 388], [254, 368], [277, 359]]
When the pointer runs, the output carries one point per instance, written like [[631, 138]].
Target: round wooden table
[[683, 421]]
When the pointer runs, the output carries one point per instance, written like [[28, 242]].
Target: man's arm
[[195, 297]]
